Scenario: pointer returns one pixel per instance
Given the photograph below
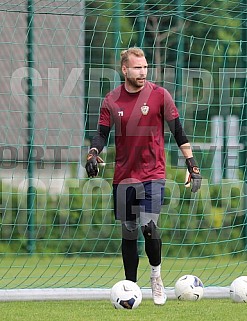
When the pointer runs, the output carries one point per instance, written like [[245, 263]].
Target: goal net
[[58, 59]]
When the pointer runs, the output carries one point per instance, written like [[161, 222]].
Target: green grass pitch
[[173, 310]]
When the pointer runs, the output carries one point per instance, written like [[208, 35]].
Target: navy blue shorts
[[132, 199]]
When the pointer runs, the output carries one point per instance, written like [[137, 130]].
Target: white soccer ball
[[189, 287], [238, 289], [125, 295]]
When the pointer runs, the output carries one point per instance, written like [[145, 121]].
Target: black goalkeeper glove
[[194, 175], [92, 162]]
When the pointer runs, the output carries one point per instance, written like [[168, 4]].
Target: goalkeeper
[[138, 109]]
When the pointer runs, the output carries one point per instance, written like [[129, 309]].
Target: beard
[[136, 82]]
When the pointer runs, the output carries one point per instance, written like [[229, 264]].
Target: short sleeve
[[170, 109], [105, 114]]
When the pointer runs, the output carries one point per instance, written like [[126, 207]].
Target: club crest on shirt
[[145, 109]]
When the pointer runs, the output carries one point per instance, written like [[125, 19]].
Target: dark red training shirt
[[139, 131]]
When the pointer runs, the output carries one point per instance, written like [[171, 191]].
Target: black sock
[[153, 244], [153, 251], [130, 259]]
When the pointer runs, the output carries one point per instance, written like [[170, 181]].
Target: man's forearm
[[100, 139], [186, 150]]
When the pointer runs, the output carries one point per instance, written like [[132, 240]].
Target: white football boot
[[158, 291]]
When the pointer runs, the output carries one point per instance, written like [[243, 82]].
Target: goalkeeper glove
[[194, 175], [92, 162]]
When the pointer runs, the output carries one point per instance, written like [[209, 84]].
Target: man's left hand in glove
[[194, 176]]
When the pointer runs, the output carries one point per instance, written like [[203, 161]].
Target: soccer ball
[[125, 295], [189, 287], [238, 289]]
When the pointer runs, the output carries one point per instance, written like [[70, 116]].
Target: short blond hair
[[124, 55]]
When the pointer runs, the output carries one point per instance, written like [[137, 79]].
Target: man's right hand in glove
[[92, 162]]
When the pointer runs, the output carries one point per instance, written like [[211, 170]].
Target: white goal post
[[94, 294]]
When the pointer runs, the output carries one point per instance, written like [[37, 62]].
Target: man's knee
[[150, 231], [130, 230]]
